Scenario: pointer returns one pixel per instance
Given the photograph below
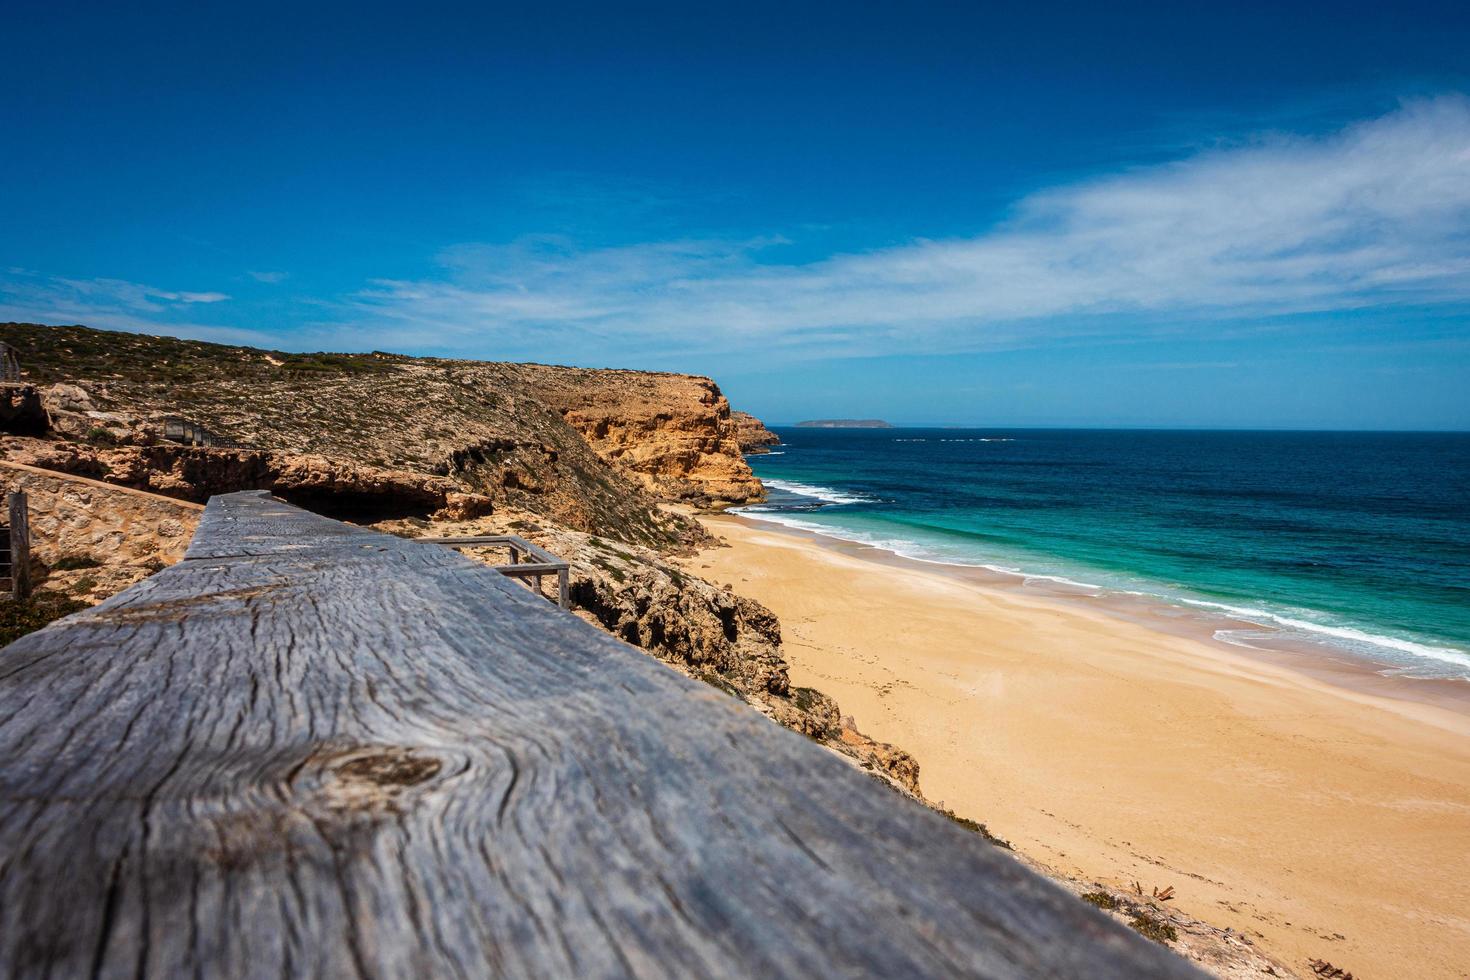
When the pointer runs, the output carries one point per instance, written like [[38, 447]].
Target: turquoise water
[[1359, 542]]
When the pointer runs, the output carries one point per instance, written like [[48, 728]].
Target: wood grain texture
[[314, 750]]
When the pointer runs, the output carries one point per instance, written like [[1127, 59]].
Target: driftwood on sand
[[313, 750]]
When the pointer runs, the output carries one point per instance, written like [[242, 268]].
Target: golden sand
[[1328, 822]]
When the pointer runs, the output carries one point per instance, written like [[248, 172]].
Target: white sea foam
[[1343, 634], [1397, 650], [971, 439], [825, 494], [905, 548]]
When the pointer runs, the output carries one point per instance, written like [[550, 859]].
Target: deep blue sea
[[1356, 541]]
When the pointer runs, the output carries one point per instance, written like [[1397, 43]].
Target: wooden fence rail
[[545, 564], [313, 750]]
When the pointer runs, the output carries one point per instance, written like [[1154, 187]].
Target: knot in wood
[[390, 768]]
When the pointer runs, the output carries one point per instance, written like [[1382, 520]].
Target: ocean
[[1356, 542]]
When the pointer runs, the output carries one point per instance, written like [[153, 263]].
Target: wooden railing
[[531, 571], [190, 433], [310, 749]]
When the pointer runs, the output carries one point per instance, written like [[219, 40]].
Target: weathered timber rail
[[545, 564], [191, 433], [313, 750]]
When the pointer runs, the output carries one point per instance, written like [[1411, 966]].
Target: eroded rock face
[[673, 433], [752, 435], [64, 399], [90, 541], [329, 486]]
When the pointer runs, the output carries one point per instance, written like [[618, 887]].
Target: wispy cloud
[[113, 304], [131, 295], [1375, 215], [268, 277]]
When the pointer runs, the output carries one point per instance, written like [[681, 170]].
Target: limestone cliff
[[673, 433], [752, 435]]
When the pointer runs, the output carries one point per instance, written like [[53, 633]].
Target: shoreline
[[1307, 808], [1345, 669]]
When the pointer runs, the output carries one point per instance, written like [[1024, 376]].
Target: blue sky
[[1256, 215]]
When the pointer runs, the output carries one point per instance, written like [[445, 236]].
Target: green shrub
[[1102, 900], [323, 363], [67, 563], [977, 827], [714, 680], [19, 617], [1158, 931], [98, 436], [805, 698]]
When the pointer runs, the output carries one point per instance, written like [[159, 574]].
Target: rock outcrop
[[673, 433], [752, 435], [335, 487]]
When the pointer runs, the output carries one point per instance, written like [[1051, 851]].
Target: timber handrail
[[545, 564], [310, 749]]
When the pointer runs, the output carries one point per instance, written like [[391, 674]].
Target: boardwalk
[[313, 750]]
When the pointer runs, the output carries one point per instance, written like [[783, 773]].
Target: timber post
[[19, 534], [9, 363]]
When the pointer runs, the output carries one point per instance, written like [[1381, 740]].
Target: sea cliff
[[752, 434]]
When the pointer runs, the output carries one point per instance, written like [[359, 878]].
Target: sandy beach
[[1321, 818]]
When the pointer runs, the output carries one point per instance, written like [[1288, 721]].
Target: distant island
[[844, 424]]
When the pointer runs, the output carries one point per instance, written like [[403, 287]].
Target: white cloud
[[1374, 216], [268, 277], [1377, 214], [112, 304], [116, 293]]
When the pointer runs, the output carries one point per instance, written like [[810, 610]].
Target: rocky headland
[[752, 435], [844, 424]]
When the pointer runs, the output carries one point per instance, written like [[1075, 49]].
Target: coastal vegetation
[[21, 616]]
